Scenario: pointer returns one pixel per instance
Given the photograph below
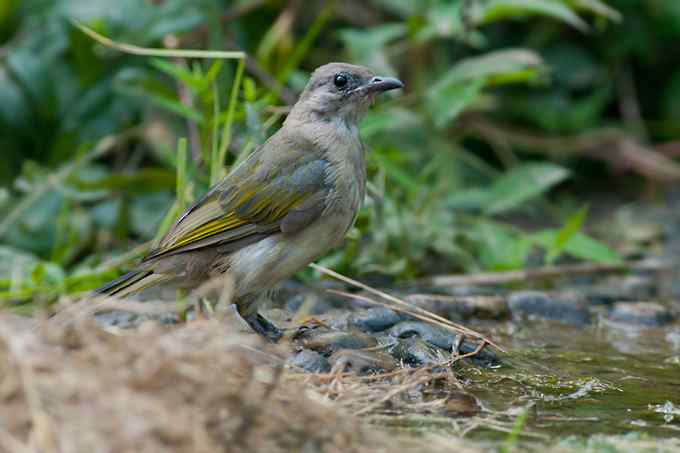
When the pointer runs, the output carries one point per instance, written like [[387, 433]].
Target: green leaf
[[446, 103], [492, 64], [564, 235], [143, 181], [180, 73], [367, 46], [460, 86], [579, 245], [388, 121], [469, 199], [522, 184], [597, 7], [497, 10], [500, 247], [404, 178]]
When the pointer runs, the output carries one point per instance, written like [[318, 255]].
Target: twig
[[543, 273], [391, 394], [610, 145], [431, 317]]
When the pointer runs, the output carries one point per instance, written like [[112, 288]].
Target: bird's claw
[[261, 325]]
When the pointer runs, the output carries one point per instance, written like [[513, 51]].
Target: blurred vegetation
[[506, 101]]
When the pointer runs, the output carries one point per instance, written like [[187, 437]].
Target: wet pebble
[[673, 337], [462, 307], [461, 404], [308, 303], [485, 358], [650, 314], [569, 308], [279, 317], [327, 341], [362, 362], [374, 319], [427, 332], [309, 361], [486, 307], [466, 291], [415, 352], [120, 319], [618, 289], [128, 320]]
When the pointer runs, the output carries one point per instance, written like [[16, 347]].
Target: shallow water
[[600, 379]]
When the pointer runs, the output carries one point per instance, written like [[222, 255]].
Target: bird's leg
[[264, 327], [247, 308]]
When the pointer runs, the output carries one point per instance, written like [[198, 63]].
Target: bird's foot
[[261, 325]]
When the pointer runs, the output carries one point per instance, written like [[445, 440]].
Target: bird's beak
[[380, 84]]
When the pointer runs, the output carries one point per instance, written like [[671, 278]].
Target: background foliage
[[512, 108]]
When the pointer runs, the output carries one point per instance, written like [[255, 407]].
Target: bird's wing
[[250, 204]]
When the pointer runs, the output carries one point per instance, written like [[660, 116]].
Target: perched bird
[[289, 202]]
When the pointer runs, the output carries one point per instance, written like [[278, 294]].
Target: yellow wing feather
[[244, 203]]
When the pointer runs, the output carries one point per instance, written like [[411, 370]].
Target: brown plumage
[[289, 202]]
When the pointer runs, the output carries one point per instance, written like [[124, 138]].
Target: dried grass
[[199, 387]]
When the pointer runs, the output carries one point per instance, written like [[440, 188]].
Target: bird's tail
[[130, 283]]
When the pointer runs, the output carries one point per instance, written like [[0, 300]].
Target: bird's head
[[341, 91]]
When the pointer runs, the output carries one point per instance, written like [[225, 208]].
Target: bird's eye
[[340, 80]]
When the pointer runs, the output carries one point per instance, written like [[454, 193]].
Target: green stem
[[217, 164]]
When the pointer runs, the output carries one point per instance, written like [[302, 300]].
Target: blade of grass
[[215, 136], [182, 145], [414, 310], [179, 206], [517, 428], [217, 162], [154, 52]]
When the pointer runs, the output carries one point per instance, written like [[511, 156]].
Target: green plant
[[442, 199]]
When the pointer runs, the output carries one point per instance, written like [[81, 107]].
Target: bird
[[289, 202]]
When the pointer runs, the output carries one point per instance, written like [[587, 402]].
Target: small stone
[[309, 361], [485, 358], [673, 337], [327, 341], [336, 319], [128, 320], [569, 308], [308, 303], [374, 319], [277, 316], [120, 319], [467, 291], [362, 362], [462, 307], [429, 333], [650, 314], [639, 287], [415, 352], [461, 404], [629, 288], [486, 307]]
